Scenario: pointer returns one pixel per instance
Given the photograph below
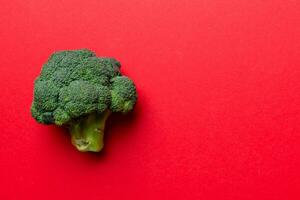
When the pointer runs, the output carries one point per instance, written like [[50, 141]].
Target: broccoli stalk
[[87, 133]]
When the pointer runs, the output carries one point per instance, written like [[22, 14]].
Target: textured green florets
[[123, 94], [74, 84]]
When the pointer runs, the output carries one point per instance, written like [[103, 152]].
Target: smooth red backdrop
[[218, 115]]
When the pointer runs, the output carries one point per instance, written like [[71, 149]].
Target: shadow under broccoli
[[79, 90]]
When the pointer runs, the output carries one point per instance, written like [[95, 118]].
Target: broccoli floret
[[123, 94], [78, 90]]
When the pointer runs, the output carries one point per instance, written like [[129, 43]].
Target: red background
[[218, 115]]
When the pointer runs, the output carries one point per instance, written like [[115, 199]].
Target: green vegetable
[[78, 90]]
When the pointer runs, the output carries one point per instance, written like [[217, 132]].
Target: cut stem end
[[87, 134]]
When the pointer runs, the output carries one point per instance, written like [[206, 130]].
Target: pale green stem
[[87, 134]]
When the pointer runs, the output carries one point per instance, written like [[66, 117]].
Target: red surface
[[218, 115]]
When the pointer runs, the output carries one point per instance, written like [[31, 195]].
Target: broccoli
[[78, 90]]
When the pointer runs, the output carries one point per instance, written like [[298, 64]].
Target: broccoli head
[[78, 90]]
